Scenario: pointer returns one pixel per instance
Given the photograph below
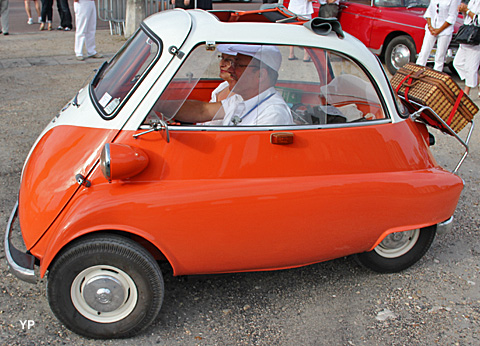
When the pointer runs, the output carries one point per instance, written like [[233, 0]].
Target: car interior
[[330, 89]]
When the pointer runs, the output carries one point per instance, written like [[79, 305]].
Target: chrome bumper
[[21, 264], [445, 226]]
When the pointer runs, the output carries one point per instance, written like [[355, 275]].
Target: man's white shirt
[[267, 108]]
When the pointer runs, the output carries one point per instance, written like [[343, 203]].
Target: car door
[[357, 17]]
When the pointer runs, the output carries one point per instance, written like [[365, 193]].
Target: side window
[[328, 89], [348, 90], [266, 85]]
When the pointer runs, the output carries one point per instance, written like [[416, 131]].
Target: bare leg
[[27, 8], [292, 54], [306, 57], [466, 90], [37, 7]]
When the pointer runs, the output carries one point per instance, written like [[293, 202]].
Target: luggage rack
[[447, 128]]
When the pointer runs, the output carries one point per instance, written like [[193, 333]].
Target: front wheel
[[399, 51], [105, 286], [398, 251]]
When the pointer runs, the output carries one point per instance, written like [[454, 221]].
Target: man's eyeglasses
[[234, 63], [231, 61]]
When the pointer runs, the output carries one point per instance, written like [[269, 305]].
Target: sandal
[[294, 58], [42, 26], [307, 60]]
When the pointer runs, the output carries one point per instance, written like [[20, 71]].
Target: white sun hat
[[269, 55]]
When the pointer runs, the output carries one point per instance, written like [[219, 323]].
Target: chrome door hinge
[[81, 180], [176, 52]]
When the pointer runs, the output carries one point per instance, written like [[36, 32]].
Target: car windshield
[[402, 3], [115, 80]]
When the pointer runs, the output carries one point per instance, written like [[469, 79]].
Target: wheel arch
[[400, 229], [55, 249], [393, 35]]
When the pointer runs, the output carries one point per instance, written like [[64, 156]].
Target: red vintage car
[[392, 29]]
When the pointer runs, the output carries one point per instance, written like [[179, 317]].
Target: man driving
[[253, 100]]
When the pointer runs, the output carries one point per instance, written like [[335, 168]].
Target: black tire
[[399, 51], [105, 286], [398, 251]]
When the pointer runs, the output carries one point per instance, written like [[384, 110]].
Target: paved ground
[[18, 16], [436, 302]]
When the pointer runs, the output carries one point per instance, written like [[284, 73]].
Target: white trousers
[[442, 45], [466, 63], [4, 14], [85, 24]]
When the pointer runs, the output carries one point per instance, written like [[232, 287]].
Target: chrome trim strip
[[445, 226], [385, 21], [273, 128], [21, 264]]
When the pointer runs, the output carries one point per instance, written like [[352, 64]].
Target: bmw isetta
[[203, 143]]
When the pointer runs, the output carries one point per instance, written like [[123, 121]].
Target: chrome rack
[[422, 108]]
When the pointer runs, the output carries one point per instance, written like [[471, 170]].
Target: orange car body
[[276, 207]]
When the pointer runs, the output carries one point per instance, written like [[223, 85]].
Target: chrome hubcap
[[400, 56], [104, 294], [397, 244]]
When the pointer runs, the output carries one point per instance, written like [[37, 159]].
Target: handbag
[[468, 33]]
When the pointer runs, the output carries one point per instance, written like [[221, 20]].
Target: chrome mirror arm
[[156, 125]]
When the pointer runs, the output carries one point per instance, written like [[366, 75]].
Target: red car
[[392, 29]]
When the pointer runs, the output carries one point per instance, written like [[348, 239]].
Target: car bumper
[[21, 264], [445, 226]]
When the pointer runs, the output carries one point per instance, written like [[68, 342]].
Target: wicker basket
[[436, 90]]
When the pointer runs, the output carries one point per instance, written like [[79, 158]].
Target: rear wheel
[[398, 251], [399, 51], [105, 286]]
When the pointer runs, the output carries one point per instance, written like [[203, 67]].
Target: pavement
[[18, 16], [42, 48]]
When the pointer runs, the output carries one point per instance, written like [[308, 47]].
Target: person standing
[[47, 14], [440, 15], [467, 59], [86, 25], [4, 16], [65, 15], [29, 11], [303, 8]]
